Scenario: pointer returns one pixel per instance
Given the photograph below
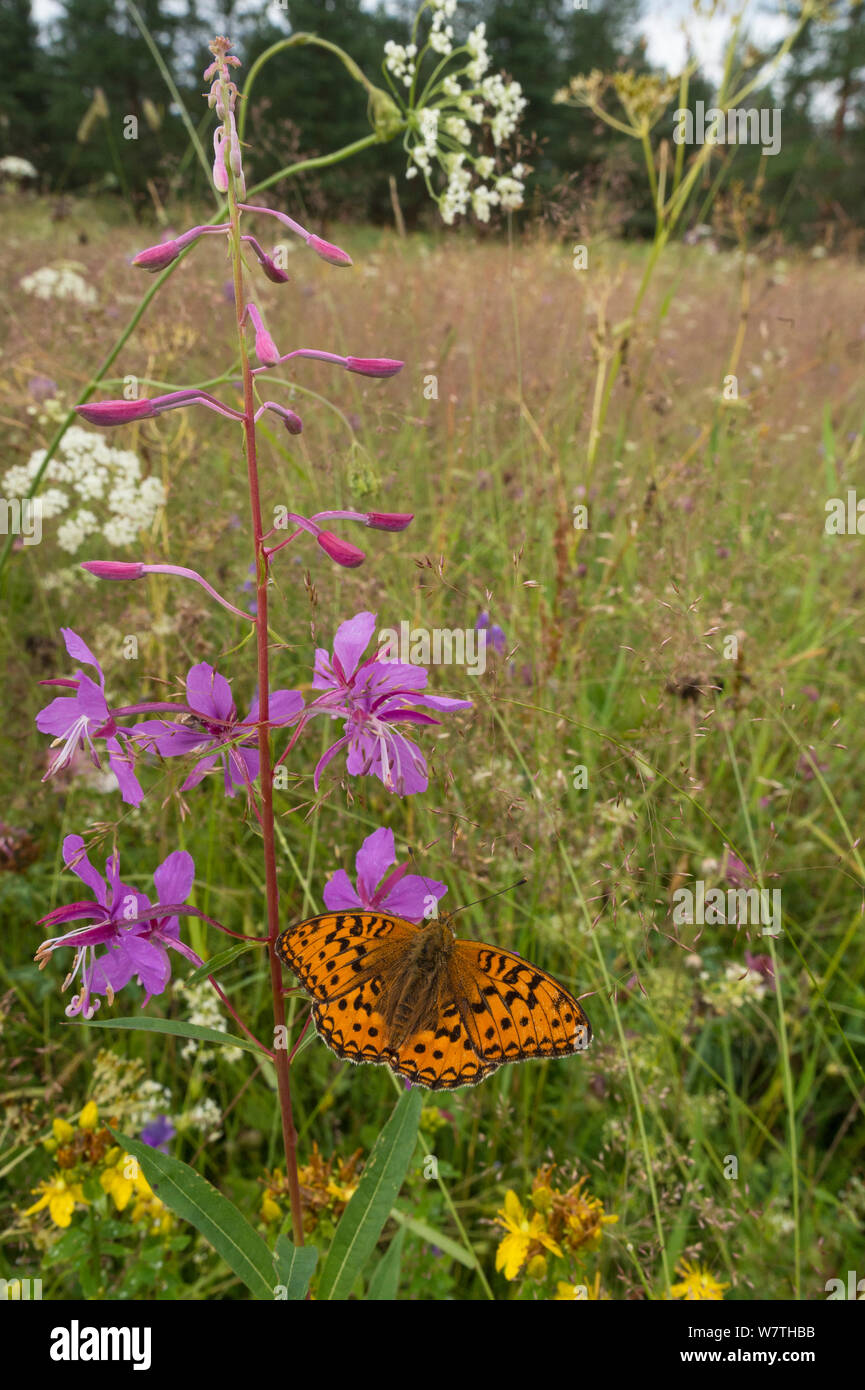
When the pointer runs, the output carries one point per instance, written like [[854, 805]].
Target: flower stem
[[281, 1060]]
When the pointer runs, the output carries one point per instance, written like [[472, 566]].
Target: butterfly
[[440, 1011]]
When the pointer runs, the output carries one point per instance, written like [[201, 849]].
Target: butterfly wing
[[511, 1010], [439, 1058], [333, 954]]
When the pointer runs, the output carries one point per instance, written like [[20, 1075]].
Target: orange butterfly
[[439, 1011]]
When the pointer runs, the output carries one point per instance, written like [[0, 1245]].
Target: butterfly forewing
[[331, 954], [513, 1010]]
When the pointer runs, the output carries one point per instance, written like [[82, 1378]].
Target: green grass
[[705, 521]]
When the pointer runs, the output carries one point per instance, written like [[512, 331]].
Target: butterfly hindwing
[[439, 1058]]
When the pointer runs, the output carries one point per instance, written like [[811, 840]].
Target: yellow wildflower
[[150, 1210], [59, 1197], [89, 1116], [697, 1283], [63, 1130], [522, 1234], [585, 1220], [270, 1210], [122, 1179]]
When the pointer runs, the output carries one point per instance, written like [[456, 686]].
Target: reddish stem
[[281, 1059]]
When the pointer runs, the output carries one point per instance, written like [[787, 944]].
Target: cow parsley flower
[[448, 104], [85, 469], [61, 282]]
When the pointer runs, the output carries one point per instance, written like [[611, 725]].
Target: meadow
[[676, 696]]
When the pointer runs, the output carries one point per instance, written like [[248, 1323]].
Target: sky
[[663, 26]]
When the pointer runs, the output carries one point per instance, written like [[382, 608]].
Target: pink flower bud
[[269, 266], [220, 172], [374, 366], [328, 252], [291, 420], [265, 348], [157, 257], [343, 552], [389, 521], [116, 412], [113, 569]]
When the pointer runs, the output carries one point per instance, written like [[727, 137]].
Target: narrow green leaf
[[218, 1219], [220, 960], [431, 1236], [384, 1284], [294, 1267], [362, 1221], [177, 1030]]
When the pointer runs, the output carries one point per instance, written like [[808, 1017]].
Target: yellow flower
[[89, 1116], [341, 1191], [151, 1210], [63, 1130], [586, 1219], [522, 1233], [269, 1209], [122, 1179], [697, 1283], [59, 1197]]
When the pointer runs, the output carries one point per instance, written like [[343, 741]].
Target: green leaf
[[384, 1283], [220, 960], [294, 1267], [218, 1220], [177, 1030], [431, 1236], [362, 1221]]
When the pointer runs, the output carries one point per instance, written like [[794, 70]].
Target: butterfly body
[[438, 1010]]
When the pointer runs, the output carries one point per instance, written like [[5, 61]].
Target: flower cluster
[[458, 102], [59, 282], [99, 490], [88, 1151], [566, 1224], [16, 169], [372, 696], [326, 1186], [135, 933]]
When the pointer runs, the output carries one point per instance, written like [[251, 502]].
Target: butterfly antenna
[[486, 898]]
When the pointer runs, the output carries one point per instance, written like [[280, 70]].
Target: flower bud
[[334, 255], [343, 552], [389, 521], [157, 257], [220, 173], [116, 412], [374, 366], [265, 348], [114, 569]]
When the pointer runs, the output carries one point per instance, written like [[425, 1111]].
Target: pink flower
[[78, 719], [400, 893], [373, 696]]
